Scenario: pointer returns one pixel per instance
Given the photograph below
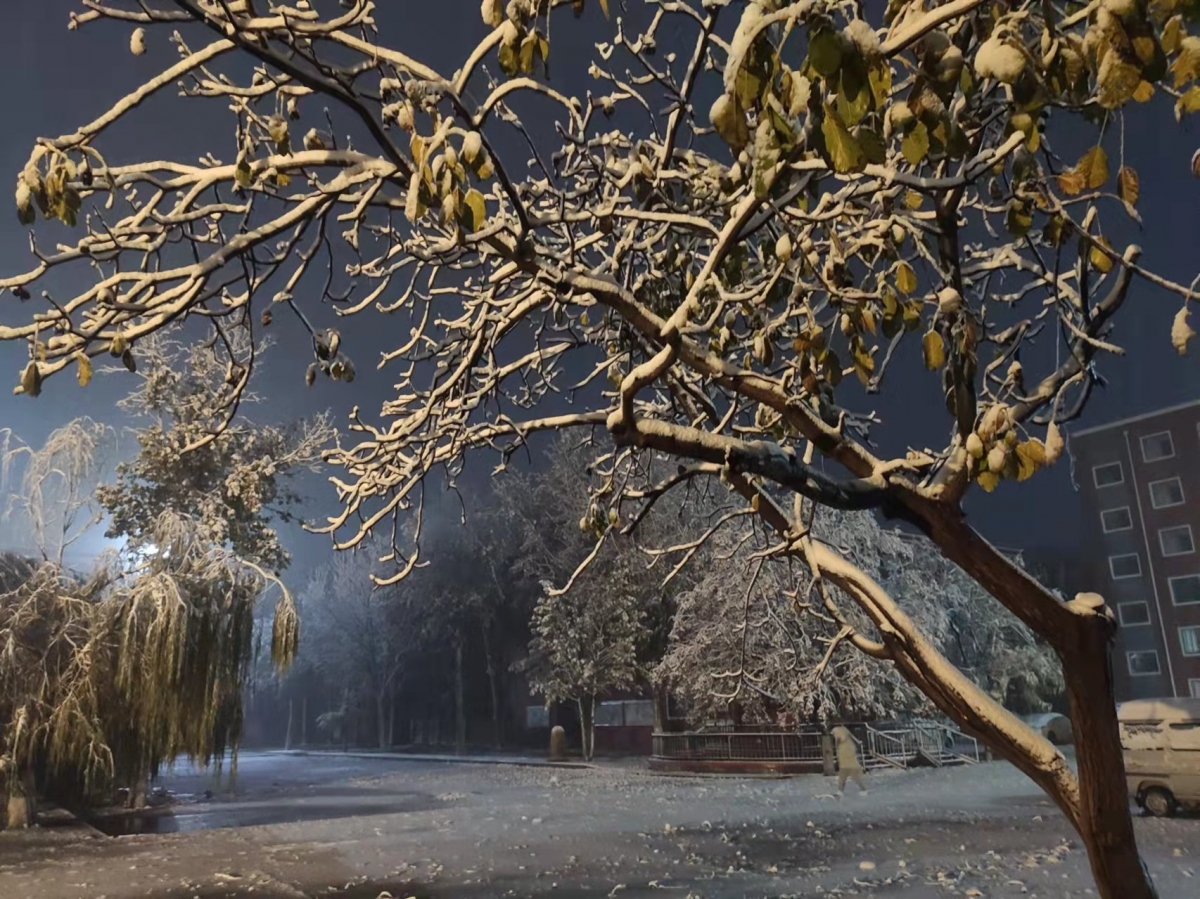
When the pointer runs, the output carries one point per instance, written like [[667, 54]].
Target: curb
[[447, 759]]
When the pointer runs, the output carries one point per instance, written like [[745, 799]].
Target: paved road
[[354, 828]]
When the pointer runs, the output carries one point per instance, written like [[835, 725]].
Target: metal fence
[[749, 746], [896, 747]]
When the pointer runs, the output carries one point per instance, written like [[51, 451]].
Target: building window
[[1143, 664], [1156, 447], [1194, 687], [1123, 566], [1185, 589], [1117, 519], [1165, 493], [1176, 541], [1107, 475], [1189, 640], [1133, 613]]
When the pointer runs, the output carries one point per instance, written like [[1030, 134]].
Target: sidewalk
[[524, 761]]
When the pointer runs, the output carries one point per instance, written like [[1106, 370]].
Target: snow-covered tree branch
[[722, 253]]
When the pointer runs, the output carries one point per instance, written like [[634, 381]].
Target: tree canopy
[[722, 254]]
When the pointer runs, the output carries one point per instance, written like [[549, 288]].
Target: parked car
[[1054, 727], [1161, 743]]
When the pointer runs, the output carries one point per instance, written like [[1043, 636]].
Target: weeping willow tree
[[106, 676]]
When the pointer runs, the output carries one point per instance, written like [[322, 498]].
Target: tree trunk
[[22, 803], [1105, 824], [304, 720], [493, 686], [587, 727], [287, 740], [460, 712], [380, 719], [1081, 631], [659, 698]]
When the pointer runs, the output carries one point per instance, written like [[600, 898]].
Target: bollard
[[558, 743]]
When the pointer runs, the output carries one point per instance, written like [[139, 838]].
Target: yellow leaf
[[1171, 34], [1116, 81], [1093, 166], [1181, 331], [1100, 260], [84, 372], [880, 78], [988, 480], [1189, 102], [416, 147], [934, 349], [730, 121], [825, 52], [1071, 182], [1144, 91], [1031, 455], [844, 151], [915, 144], [477, 208], [1187, 64], [1128, 185], [906, 278], [604, 7], [913, 200]]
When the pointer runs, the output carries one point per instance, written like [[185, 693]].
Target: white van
[[1161, 740]]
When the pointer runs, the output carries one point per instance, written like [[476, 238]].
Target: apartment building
[[1139, 480]]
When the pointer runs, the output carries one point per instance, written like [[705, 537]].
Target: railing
[[751, 746], [941, 744], [896, 747], [888, 747]]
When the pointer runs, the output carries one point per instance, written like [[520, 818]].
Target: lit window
[[1176, 541], [1123, 566], [1185, 589], [1133, 613], [1108, 474], [1189, 640], [1143, 664], [1156, 447], [1117, 519], [1165, 493]]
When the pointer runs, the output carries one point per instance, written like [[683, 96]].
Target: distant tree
[[584, 645], [753, 632], [107, 674], [749, 233], [196, 459], [358, 636]]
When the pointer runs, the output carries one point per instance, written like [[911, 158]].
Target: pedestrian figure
[[847, 760]]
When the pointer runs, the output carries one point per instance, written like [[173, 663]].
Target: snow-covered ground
[[301, 827]]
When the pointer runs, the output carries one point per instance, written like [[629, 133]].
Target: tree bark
[[1105, 825], [381, 719], [493, 686], [304, 720], [287, 740], [460, 712], [587, 727], [659, 700]]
